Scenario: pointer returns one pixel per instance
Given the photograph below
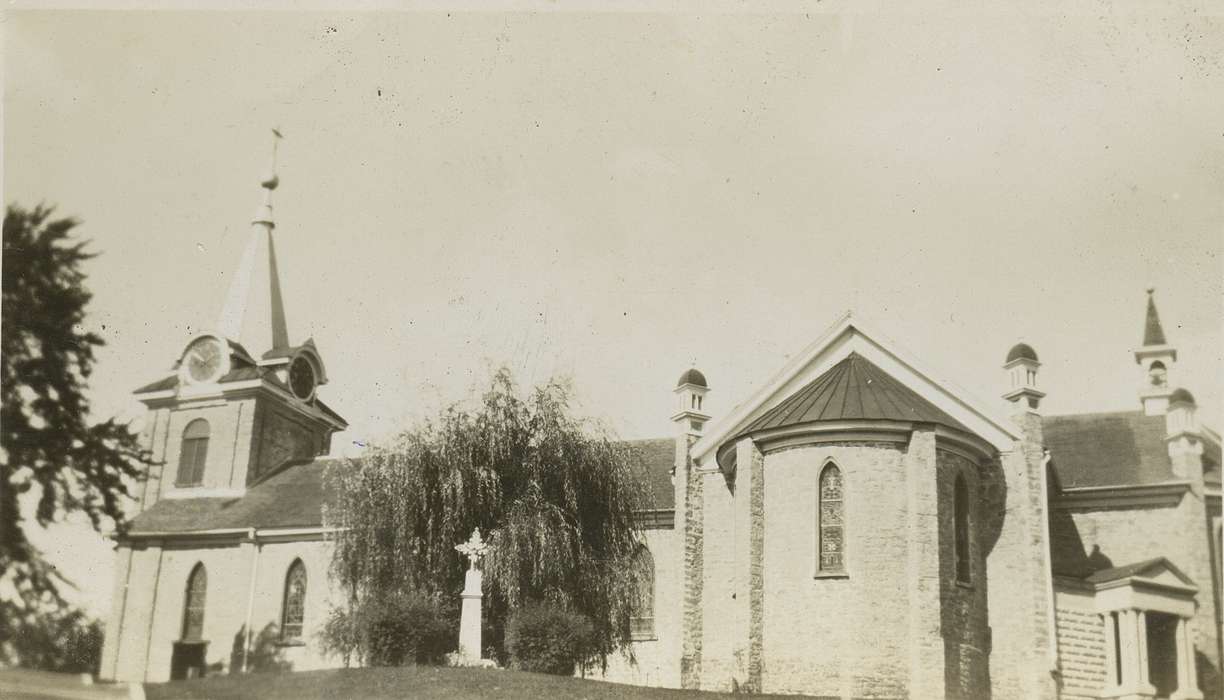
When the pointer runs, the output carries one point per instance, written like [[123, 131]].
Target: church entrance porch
[[1146, 610]]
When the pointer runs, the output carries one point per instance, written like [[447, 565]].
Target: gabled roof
[[850, 335], [853, 389], [1148, 569], [658, 457], [1108, 449]]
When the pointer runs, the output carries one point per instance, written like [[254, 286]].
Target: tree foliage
[[553, 495], [52, 460]]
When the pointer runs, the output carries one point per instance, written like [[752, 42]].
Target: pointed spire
[[259, 258], [1153, 334]]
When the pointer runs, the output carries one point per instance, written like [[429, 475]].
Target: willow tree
[[553, 495]]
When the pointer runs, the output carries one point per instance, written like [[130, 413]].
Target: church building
[[856, 528]]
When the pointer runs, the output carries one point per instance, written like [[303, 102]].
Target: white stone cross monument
[[469, 618]]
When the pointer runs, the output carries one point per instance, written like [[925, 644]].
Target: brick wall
[[229, 445]]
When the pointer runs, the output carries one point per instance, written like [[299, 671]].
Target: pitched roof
[[236, 374], [294, 497], [1148, 567], [1108, 449], [1153, 334], [658, 458], [853, 389]]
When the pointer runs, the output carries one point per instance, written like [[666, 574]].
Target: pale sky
[[618, 196]]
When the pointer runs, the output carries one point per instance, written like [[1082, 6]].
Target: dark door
[[1162, 653], [187, 660]]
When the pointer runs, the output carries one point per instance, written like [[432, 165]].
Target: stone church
[[857, 527]]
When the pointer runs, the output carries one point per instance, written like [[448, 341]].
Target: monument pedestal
[[469, 618]]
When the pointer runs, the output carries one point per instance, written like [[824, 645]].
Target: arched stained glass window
[[831, 532], [294, 612], [193, 605], [193, 454], [960, 508], [642, 619]]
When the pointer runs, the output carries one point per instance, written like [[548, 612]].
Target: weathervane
[[473, 549]]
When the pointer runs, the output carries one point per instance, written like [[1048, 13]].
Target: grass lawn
[[412, 682]]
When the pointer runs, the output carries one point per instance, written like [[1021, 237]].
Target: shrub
[[548, 639], [395, 630]]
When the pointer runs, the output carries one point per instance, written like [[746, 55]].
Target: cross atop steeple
[[249, 317]]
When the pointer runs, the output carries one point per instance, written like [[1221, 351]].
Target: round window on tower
[[302, 378]]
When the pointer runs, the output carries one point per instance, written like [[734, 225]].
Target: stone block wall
[[717, 596], [1015, 545], [963, 613], [1118, 536], [1081, 644], [835, 636]]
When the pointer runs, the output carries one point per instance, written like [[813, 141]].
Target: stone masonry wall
[[1017, 568], [841, 637], [1121, 536], [718, 578], [690, 499], [1081, 645], [964, 617]]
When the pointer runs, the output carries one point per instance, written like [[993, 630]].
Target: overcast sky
[[617, 196]]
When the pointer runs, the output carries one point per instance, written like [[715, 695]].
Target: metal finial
[[1151, 291], [271, 180]]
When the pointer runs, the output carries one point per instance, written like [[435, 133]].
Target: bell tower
[[241, 402], [1157, 360], [690, 417]]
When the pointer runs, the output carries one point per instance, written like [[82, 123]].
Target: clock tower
[[241, 402]]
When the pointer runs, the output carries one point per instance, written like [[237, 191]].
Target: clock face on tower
[[205, 360], [302, 378]]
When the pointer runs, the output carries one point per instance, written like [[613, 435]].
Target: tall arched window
[[642, 619], [830, 526], [960, 510], [193, 454], [294, 611], [193, 604]]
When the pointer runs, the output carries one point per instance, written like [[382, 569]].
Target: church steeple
[[1153, 333], [254, 311], [1156, 359]]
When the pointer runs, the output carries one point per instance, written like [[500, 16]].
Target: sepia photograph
[[643, 350]]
